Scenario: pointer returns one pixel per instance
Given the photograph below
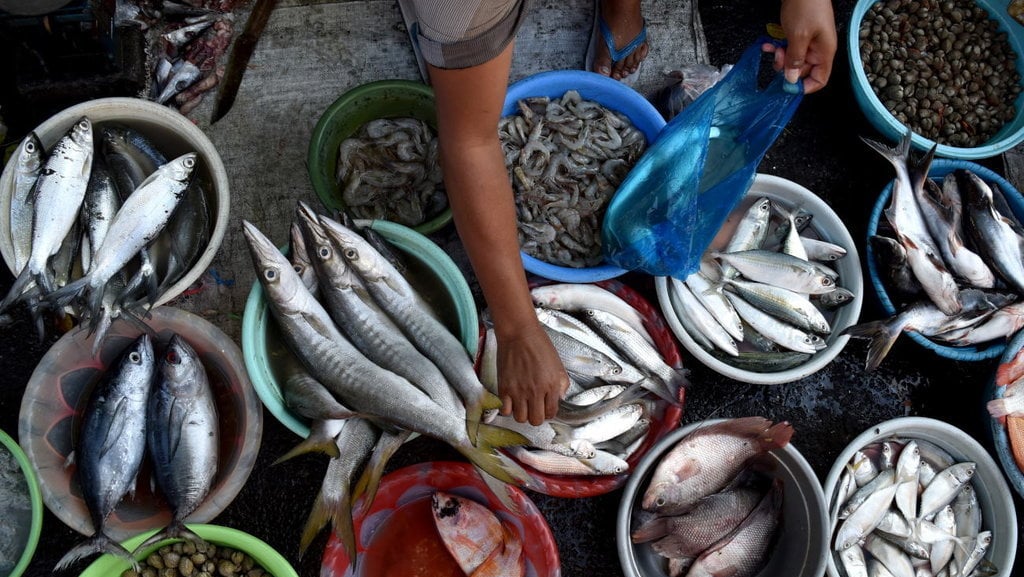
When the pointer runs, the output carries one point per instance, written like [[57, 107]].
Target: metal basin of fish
[[608, 93], [58, 391], [344, 117], [801, 545], [887, 295], [435, 275], [404, 500], [883, 120], [21, 504], [173, 135], [824, 225], [940, 442], [261, 553]]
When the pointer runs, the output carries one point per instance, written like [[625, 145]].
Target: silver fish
[[962, 261], [942, 551], [889, 555], [710, 295], [701, 321], [836, 298], [98, 210], [786, 305], [863, 520], [779, 269], [992, 233], [59, 193], [821, 250], [183, 435], [182, 75], [573, 297], [854, 564], [29, 158], [944, 488], [751, 231], [786, 335], [142, 216], [112, 444], [689, 534], [907, 466]]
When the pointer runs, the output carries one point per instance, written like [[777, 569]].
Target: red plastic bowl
[[666, 419], [417, 482]]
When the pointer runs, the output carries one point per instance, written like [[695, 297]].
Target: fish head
[[81, 133], [323, 253], [354, 249], [30, 157], [275, 273], [181, 368], [136, 365], [663, 497], [181, 168]]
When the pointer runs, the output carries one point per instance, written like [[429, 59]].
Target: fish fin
[[500, 489], [777, 436], [312, 444], [670, 390], [15, 293], [98, 543], [997, 408], [176, 530], [882, 334], [369, 480], [339, 514], [485, 457], [316, 521], [895, 154], [656, 528], [63, 296]]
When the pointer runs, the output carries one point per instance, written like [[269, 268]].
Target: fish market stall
[[313, 52]]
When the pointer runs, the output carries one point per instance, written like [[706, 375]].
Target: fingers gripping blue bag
[[674, 200]]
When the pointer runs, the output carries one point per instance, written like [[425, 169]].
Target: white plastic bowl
[[827, 225], [801, 545], [172, 134], [997, 508]]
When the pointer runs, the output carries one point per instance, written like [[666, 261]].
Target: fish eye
[[351, 253], [172, 357], [825, 281], [659, 502], [189, 162], [324, 252], [83, 123], [30, 146], [270, 274], [298, 268], [135, 357]]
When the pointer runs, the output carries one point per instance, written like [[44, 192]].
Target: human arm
[[811, 42], [531, 377]]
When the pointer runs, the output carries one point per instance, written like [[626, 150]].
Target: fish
[[405, 306], [323, 433], [334, 501], [182, 435], [29, 158], [751, 232], [58, 196], [889, 555], [98, 210], [369, 481], [822, 251], [470, 531], [694, 469], [698, 320], [782, 303], [366, 387], [782, 333], [689, 534], [744, 552], [1002, 324], [863, 520], [780, 269], [907, 466], [507, 560], [710, 295], [945, 487], [182, 75], [571, 297], [962, 261], [896, 270], [992, 233], [111, 445], [142, 216]]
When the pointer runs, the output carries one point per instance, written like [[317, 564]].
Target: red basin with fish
[[396, 531]]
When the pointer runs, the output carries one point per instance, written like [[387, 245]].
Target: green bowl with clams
[[353, 109]]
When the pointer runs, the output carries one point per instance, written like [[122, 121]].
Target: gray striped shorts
[[463, 33]]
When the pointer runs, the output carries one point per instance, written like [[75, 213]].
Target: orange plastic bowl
[[401, 491]]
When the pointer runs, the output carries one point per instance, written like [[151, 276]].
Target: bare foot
[[625, 21]]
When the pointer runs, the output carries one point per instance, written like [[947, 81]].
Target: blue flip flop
[[602, 32]]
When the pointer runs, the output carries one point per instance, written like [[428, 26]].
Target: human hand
[[810, 28], [531, 377]]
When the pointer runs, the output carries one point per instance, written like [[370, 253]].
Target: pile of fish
[[102, 223], [389, 169], [189, 39], [566, 158], [481, 542], [1008, 406], [951, 254], [761, 302], [906, 507], [372, 364], [145, 404], [704, 508], [619, 383]]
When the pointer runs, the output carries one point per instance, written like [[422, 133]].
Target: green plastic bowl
[[380, 99], [268, 558], [35, 526], [439, 280]]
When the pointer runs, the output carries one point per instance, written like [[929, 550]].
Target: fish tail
[[669, 389], [98, 543], [882, 334], [99, 327], [997, 408], [63, 296], [898, 154], [654, 529], [15, 294], [339, 514], [176, 530], [314, 443], [777, 436], [485, 457], [369, 480]]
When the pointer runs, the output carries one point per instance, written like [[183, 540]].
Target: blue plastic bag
[[674, 200]]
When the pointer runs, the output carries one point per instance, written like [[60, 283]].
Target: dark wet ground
[[821, 150]]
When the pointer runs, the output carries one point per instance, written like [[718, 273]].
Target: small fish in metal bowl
[[569, 138], [119, 412], [948, 278], [723, 497], [778, 285], [912, 489]]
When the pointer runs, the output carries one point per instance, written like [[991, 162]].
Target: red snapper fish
[[470, 531], [708, 459]]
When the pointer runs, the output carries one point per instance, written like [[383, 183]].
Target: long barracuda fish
[[364, 386]]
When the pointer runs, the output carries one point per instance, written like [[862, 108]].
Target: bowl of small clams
[[570, 137], [931, 488], [951, 71], [374, 153], [777, 287]]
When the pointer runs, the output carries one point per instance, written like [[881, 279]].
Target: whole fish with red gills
[[481, 543], [708, 459]]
